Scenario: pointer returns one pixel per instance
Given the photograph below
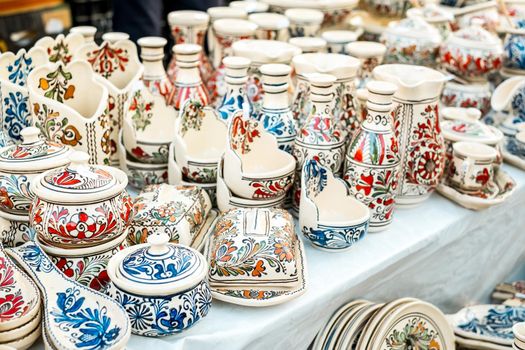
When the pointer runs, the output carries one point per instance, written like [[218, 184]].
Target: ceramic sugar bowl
[[80, 205], [162, 286]]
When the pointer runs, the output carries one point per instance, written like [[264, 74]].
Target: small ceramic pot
[[338, 39], [20, 164], [270, 26], [162, 297], [514, 47], [250, 6], [304, 22], [15, 230], [439, 18], [483, 12], [61, 49], [80, 205], [474, 95], [87, 32], [309, 44], [371, 55]]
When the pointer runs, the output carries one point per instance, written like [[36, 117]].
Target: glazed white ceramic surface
[[61, 49], [472, 166]]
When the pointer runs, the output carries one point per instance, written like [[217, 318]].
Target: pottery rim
[[113, 37], [269, 20], [308, 44], [188, 18], [299, 15], [426, 32], [365, 49], [474, 150], [250, 6], [22, 330], [324, 5], [340, 36], [234, 27], [219, 12], [338, 65], [265, 51]]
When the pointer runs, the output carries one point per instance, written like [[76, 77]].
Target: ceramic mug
[[472, 166]]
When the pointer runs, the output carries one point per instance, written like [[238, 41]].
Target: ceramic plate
[[489, 323], [199, 241], [337, 330], [479, 345], [503, 188], [355, 326], [513, 159], [268, 296]]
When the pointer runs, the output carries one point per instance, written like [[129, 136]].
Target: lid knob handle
[[30, 135], [159, 243], [78, 159], [473, 113]]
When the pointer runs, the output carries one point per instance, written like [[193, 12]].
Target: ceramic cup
[[472, 166]]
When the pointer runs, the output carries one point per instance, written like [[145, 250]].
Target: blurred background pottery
[[270, 26], [154, 76], [371, 54], [87, 32], [250, 6], [514, 47], [471, 95], [337, 40], [15, 230], [434, 15], [304, 22], [309, 44], [483, 12], [217, 13]]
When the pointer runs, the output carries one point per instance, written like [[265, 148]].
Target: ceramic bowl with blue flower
[[162, 286]]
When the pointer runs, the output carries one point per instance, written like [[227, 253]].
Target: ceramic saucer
[[354, 328], [513, 159], [339, 326], [479, 345], [497, 192], [200, 240]]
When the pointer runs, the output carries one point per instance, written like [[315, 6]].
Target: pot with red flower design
[[371, 55], [417, 129], [254, 165], [69, 105], [80, 205], [262, 52], [157, 283], [329, 215], [472, 53], [118, 68], [304, 22], [475, 95], [485, 13], [61, 49], [372, 160], [270, 26], [189, 27]]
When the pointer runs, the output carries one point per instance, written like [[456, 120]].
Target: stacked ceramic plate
[[400, 324], [486, 326]]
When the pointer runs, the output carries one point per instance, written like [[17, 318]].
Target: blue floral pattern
[[315, 177], [281, 124], [20, 69], [16, 114], [336, 237], [497, 322], [518, 106], [232, 102]]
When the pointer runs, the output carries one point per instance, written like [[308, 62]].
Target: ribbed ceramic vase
[[154, 76]]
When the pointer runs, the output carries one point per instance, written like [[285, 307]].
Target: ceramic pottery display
[[370, 54], [438, 17], [304, 22], [309, 44], [475, 95], [118, 67], [372, 160], [217, 13], [154, 76], [329, 216], [411, 41], [421, 145], [15, 230], [87, 32], [484, 13], [74, 315], [15, 111], [179, 211], [270, 26], [388, 8], [337, 40], [254, 166], [276, 114], [250, 6], [514, 48], [162, 286], [343, 103], [61, 49], [226, 31], [255, 258], [262, 52], [189, 27], [80, 205], [235, 78], [69, 106]]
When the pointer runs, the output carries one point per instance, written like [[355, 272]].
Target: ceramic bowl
[[254, 166], [476, 95], [15, 230], [20, 164], [157, 303], [304, 22], [26, 340], [80, 205]]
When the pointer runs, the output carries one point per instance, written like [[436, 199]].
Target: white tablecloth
[[438, 252]]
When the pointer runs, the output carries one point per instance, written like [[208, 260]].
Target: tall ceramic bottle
[[372, 159], [236, 76], [276, 113], [154, 76], [320, 136]]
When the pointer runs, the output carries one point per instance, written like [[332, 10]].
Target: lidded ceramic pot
[[411, 41], [309, 44], [20, 164], [270, 26], [154, 76], [164, 280], [436, 16], [304, 22], [250, 6], [80, 205], [236, 76], [88, 32]]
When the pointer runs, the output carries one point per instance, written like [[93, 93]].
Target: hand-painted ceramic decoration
[[69, 106], [254, 166], [118, 67], [372, 160], [388, 8], [15, 230], [329, 216], [20, 164], [309, 44], [250, 6], [14, 96], [235, 78], [262, 52], [337, 40], [256, 258], [80, 205], [508, 97], [162, 286], [180, 211], [270, 26], [189, 27], [486, 13], [472, 53], [61, 49], [438, 17], [75, 316], [276, 114], [514, 47], [217, 13], [371, 55], [411, 41], [87, 32], [476, 95], [199, 142], [304, 22], [227, 31]]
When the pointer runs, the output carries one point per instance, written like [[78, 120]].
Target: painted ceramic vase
[[372, 160], [61, 49], [411, 41], [154, 76], [226, 31], [473, 95], [514, 47], [336, 40], [270, 26], [189, 27], [216, 13], [371, 55], [15, 230], [87, 32], [262, 52], [304, 22], [235, 78], [160, 304], [16, 110], [309, 44], [69, 106], [117, 65], [276, 114], [343, 103], [250, 6], [439, 18], [417, 129], [80, 205]]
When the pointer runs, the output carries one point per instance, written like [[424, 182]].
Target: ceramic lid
[[79, 182], [474, 36], [314, 4], [33, 154], [415, 27], [340, 36], [301, 15], [308, 44], [152, 48], [226, 12], [268, 20], [365, 49], [157, 267], [469, 130], [265, 51]]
